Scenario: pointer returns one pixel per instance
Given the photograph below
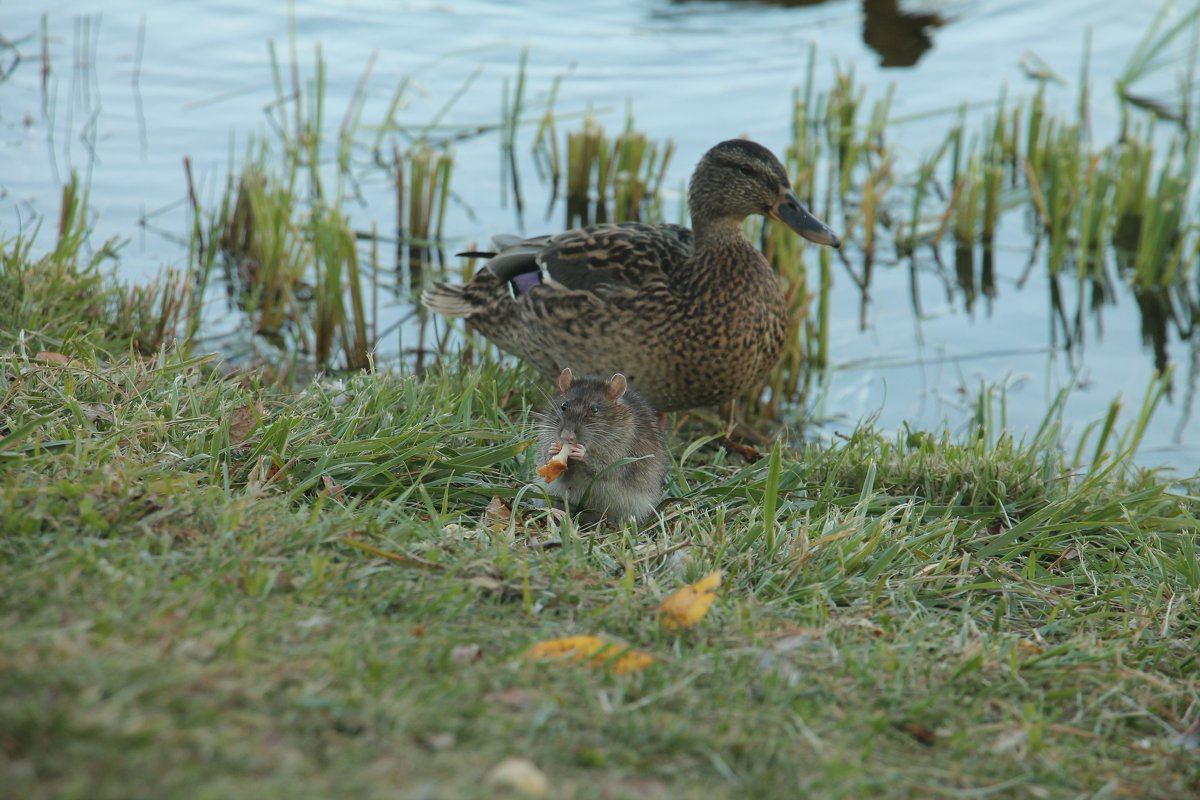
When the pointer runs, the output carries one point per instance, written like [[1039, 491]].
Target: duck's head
[[738, 178]]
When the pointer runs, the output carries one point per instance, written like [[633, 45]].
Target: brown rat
[[603, 422]]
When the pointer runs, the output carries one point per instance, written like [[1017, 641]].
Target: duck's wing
[[603, 260]]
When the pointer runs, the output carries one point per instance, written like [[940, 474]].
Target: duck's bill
[[792, 213]]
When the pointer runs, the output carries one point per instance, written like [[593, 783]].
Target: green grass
[[190, 605]]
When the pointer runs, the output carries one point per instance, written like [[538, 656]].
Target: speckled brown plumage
[[691, 317]]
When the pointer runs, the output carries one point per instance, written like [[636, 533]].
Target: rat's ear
[[564, 380], [616, 386]]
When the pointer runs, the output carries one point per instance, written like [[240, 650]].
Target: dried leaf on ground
[[466, 653], [93, 412], [331, 490], [643, 787], [688, 605], [1187, 739], [242, 422], [747, 451], [486, 582], [520, 774], [497, 513], [618, 657], [922, 733], [517, 698], [794, 638], [53, 357], [438, 741]]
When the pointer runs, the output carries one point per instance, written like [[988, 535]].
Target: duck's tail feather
[[503, 241], [447, 299]]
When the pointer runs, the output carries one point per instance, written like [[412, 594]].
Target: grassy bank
[[211, 588]]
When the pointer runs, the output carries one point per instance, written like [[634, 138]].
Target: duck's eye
[[564, 405], [595, 409]]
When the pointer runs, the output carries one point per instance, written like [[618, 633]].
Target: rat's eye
[[564, 405], [595, 410]]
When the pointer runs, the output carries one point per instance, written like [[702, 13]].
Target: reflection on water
[[900, 37], [1154, 304], [1167, 313]]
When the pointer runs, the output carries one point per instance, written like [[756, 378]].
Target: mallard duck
[[691, 317]]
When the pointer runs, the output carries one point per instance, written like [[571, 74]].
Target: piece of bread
[[556, 466]]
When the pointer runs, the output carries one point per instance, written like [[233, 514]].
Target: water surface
[[134, 87]]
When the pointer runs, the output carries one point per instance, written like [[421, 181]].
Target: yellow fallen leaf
[[620, 658], [579, 646], [632, 661], [687, 605]]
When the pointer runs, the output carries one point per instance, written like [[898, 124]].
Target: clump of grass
[[973, 210], [639, 165], [340, 308], [1162, 45], [64, 302], [428, 191], [295, 271], [1150, 235], [616, 180], [999, 154], [587, 170], [512, 105], [289, 252], [546, 152], [266, 265]]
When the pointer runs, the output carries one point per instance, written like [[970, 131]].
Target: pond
[[122, 92]]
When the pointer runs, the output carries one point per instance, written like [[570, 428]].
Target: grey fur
[[613, 422]]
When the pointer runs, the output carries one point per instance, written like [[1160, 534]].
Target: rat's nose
[[566, 436]]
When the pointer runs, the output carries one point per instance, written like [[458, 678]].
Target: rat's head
[[587, 408]]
